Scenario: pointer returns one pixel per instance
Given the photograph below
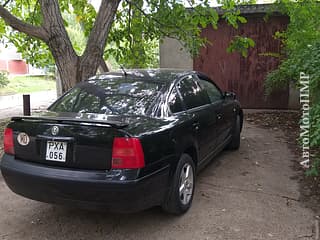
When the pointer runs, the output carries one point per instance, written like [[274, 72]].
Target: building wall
[[173, 55], [244, 76], [17, 67], [14, 66]]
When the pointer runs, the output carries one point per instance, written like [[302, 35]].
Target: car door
[[222, 108], [202, 120]]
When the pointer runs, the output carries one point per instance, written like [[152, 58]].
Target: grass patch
[[28, 84]]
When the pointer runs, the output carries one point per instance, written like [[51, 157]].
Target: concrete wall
[[294, 97], [173, 55]]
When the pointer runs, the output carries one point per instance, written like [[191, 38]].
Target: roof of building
[[254, 9]]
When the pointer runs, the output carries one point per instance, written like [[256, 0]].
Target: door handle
[[195, 126], [219, 116]]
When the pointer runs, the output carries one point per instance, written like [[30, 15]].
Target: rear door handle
[[219, 116]]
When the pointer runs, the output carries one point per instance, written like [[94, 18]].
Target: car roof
[[164, 75]]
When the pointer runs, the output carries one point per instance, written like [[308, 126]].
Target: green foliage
[[33, 50], [138, 26], [315, 168], [134, 39], [3, 79], [75, 31], [130, 43], [241, 45], [302, 54]]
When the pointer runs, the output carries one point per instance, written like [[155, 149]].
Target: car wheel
[[181, 191], [235, 140]]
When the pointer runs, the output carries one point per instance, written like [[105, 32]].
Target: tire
[[178, 201], [234, 144]]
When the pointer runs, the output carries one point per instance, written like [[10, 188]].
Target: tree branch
[[104, 66], [6, 3], [21, 26], [59, 43], [91, 58], [99, 33], [172, 34], [58, 38]]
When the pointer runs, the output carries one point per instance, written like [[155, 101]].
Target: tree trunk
[[68, 70], [59, 43], [73, 68], [91, 58]]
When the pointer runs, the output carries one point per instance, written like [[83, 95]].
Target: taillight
[[127, 153], [8, 141]]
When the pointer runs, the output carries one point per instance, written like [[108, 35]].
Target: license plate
[[56, 151]]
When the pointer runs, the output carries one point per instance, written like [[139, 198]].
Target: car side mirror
[[229, 95]]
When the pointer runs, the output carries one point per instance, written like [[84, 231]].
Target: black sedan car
[[123, 141]]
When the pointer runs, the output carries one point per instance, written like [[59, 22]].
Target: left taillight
[[127, 153], [8, 146]]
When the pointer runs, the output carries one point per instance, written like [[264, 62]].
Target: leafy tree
[[302, 54], [127, 27]]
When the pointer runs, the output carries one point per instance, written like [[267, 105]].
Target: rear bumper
[[87, 189]]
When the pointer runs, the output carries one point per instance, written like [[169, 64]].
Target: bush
[[3, 79], [302, 51]]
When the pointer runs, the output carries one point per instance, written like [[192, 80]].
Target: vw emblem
[[55, 130], [23, 139]]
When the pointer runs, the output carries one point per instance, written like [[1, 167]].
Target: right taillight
[[127, 153], [8, 141]]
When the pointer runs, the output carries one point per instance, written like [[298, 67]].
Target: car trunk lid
[[81, 141]]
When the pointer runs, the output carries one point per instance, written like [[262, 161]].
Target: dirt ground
[[288, 122], [252, 193]]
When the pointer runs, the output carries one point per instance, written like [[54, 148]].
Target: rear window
[[110, 96]]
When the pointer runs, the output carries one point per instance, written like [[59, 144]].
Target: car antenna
[[124, 71]]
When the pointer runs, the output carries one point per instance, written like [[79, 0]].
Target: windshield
[[110, 96]]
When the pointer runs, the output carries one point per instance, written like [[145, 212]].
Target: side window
[[193, 95], [213, 92], [174, 101]]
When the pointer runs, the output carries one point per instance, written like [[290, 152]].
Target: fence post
[[26, 105]]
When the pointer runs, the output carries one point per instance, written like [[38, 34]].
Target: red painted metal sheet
[[245, 76], [18, 67]]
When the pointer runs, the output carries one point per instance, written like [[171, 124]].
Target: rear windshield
[[110, 96]]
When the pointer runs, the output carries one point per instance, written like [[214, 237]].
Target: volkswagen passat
[[124, 141]]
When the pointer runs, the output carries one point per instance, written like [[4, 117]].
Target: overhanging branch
[[99, 33], [21, 26], [6, 3]]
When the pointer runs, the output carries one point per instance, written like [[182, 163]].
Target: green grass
[[28, 84]]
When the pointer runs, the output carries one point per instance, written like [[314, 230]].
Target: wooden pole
[[26, 105]]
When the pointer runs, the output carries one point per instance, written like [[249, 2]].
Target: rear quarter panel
[[163, 141]]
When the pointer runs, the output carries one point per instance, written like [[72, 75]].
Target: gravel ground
[[252, 193]]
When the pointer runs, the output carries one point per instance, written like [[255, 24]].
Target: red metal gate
[[245, 76]]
